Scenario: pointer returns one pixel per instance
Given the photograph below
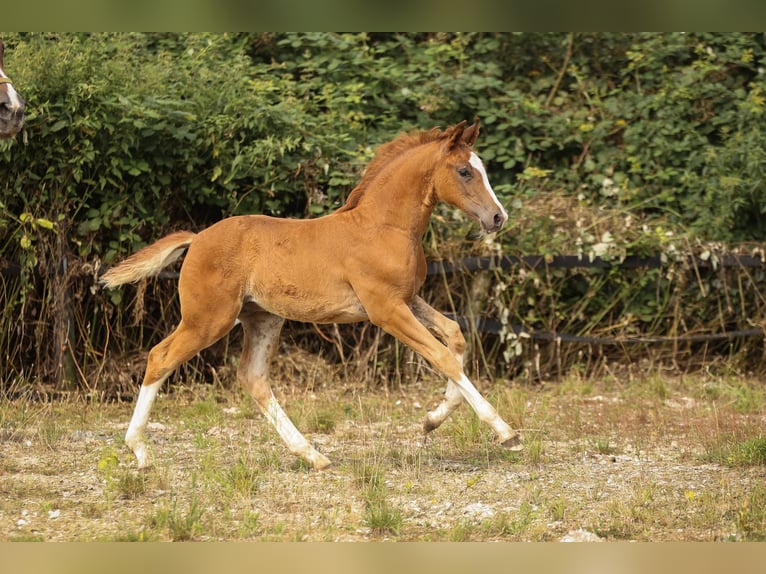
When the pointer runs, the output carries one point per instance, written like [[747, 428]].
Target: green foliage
[[601, 144], [137, 131]]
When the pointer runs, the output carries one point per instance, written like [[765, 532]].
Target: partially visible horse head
[[461, 179], [11, 104]]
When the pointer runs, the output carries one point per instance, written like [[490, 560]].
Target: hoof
[[513, 443], [428, 426], [142, 455], [321, 462]]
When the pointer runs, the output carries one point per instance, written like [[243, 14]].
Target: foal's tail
[[149, 260]]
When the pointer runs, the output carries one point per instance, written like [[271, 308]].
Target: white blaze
[[12, 94], [477, 164]]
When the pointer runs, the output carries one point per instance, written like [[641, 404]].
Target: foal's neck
[[401, 196]]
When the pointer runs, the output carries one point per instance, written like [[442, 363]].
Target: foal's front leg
[[400, 321], [449, 332]]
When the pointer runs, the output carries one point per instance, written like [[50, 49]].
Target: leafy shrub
[[601, 144]]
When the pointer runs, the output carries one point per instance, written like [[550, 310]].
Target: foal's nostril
[[498, 220]]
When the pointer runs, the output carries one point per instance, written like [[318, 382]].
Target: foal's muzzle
[[494, 221], [11, 112]]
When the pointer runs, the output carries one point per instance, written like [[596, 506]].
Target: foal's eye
[[464, 172]]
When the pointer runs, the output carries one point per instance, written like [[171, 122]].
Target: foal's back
[[297, 269]]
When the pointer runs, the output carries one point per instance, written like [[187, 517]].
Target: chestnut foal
[[362, 262]]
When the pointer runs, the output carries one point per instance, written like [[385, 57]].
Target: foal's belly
[[305, 305]]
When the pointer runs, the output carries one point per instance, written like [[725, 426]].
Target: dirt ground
[[649, 460]]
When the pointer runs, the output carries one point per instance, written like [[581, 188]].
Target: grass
[[602, 445], [499, 526], [742, 396], [381, 515], [242, 477], [180, 522], [736, 452], [647, 459]]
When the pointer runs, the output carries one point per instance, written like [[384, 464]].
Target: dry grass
[[652, 459]]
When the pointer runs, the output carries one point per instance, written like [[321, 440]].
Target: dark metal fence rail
[[576, 261], [492, 326], [487, 263], [505, 262]]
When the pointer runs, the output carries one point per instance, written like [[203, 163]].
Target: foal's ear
[[471, 133], [2, 49], [454, 135]]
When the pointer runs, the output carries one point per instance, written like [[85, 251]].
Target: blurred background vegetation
[[602, 145]]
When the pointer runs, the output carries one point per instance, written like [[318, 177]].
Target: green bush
[[600, 144]]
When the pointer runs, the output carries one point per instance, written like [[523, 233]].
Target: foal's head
[[461, 180], [11, 105]]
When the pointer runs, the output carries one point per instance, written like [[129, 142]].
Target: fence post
[[63, 320]]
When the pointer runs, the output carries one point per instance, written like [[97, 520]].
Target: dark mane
[[383, 156]]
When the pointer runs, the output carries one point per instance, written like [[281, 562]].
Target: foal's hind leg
[[180, 346], [261, 339]]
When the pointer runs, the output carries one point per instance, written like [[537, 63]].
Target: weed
[[380, 515], [534, 450], [108, 461], [407, 460], [51, 432], [242, 477], [525, 516], [27, 538], [574, 384], [602, 445], [751, 515], [557, 509], [202, 441], [367, 474], [748, 452], [465, 429], [203, 414], [462, 531], [500, 525], [250, 525], [93, 510], [107, 467], [300, 465], [142, 535], [513, 404], [181, 525], [503, 525], [743, 396], [322, 420], [628, 518], [659, 387], [130, 485], [47, 506], [747, 398]]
